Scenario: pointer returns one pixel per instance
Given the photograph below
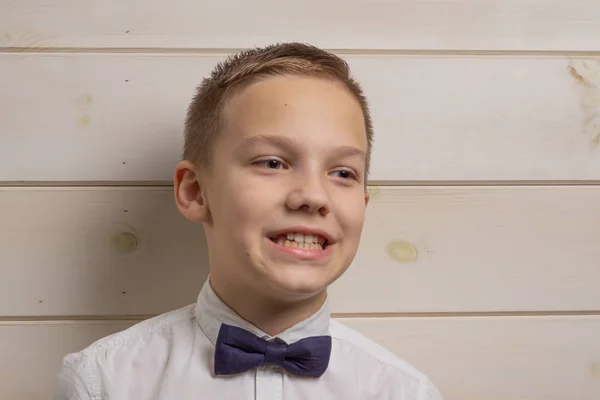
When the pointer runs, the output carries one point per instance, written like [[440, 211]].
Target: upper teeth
[[302, 238]]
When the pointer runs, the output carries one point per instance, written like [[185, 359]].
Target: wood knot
[[124, 242], [373, 192], [402, 251]]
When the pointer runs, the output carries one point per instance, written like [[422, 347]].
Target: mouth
[[301, 241], [301, 238]]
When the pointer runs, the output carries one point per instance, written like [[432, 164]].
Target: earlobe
[[189, 192]]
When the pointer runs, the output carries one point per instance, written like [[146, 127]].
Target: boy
[[276, 157]]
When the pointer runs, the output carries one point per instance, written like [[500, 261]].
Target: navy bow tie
[[238, 350]]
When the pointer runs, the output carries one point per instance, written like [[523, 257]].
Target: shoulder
[[390, 368], [82, 369], [141, 333]]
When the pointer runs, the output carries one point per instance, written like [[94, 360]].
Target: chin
[[301, 281]]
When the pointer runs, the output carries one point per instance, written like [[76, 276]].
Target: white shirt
[[171, 357]]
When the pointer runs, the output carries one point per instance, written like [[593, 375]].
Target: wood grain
[[492, 358], [503, 358], [32, 353], [120, 117], [127, 251], [524, 25], [500, 282]]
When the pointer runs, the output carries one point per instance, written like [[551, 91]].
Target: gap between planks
[[212, 52], [70, 319], [108, 184]]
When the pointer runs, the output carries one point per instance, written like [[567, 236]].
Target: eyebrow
[[287, 144]]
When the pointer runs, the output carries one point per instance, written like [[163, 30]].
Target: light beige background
[[480, 260]]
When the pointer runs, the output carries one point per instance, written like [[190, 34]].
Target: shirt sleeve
[[70, 383], [429, 391]]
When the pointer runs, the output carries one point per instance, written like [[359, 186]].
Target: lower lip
[[303, 254]]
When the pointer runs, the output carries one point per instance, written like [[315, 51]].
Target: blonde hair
[[205, 118]]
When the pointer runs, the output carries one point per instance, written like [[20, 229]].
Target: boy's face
[[290, 160]]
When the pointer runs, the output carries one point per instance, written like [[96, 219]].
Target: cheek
[[247, 205], [353, 216]]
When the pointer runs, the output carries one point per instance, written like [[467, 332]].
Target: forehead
[[297, 107]]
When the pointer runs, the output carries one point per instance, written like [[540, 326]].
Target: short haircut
[[205, 118]]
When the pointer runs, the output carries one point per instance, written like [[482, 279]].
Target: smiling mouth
[[301, 241]]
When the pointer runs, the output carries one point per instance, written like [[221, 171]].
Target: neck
[[270, 315]]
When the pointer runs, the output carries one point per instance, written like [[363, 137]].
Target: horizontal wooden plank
[[504, 358], [32, 353], [421, 24], [492, 358], [428, 249], [125, 251], [98, 251], [120, 117]]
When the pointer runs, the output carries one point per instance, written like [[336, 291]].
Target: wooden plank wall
[[480, 260]]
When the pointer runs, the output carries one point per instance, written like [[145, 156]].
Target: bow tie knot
[[238, 350], [275, 353]]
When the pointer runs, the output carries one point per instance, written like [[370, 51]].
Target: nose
[[309, 193]]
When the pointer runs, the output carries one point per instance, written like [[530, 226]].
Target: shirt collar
[[211, 312]]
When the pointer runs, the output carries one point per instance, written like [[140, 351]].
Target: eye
[[345, 174], [270, 163]]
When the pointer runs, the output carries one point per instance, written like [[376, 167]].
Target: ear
[[367, 197], [189, 190]]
